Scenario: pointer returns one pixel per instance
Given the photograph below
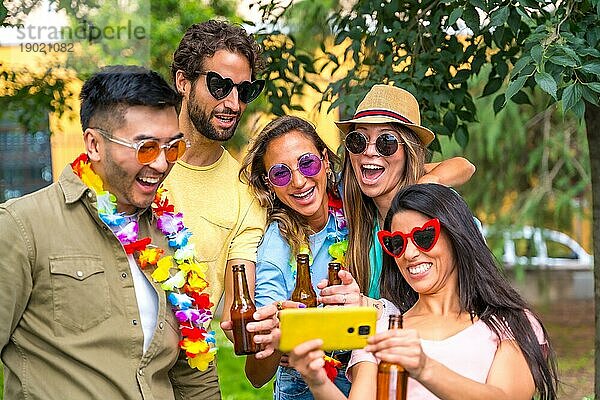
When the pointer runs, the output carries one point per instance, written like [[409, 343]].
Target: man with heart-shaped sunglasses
[[214, 70]]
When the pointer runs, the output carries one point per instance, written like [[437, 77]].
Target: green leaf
[[514, 21], [499, 103], [536, 54], [492, 86], [471, 18], [571, 95], [455, 15], [595, 86], [579, 109], [462, 136], [589, 95], [524, 61], [3, 13], [591, 67], [520, 98], [480, 3], [500, 16], [514, 87], [565, 61], [461, 76], [450, 120], [589, 52], [547, 83], [435, 146]]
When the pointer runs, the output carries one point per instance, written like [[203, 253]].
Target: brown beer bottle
[[304, 292], [392, 379], [332, 274], [241, 313]]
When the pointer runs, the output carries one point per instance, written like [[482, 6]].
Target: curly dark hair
[[203, 40]]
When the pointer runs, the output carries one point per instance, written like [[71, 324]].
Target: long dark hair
[[484, 292]]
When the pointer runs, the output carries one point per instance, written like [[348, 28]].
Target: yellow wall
[[65, 139]]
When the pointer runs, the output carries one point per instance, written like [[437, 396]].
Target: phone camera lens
[[364, 330], [351, 330]]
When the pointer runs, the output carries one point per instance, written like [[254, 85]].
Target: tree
[[48, 90], [434, 47]]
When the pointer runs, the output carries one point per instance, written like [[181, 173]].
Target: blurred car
[[542, 248]]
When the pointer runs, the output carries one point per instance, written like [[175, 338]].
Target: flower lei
[[337, 250], [338, 233], [185, 287]]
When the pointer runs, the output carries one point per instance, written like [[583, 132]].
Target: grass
[[233, 382]]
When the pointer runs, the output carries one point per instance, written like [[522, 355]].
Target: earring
[[330, 175]]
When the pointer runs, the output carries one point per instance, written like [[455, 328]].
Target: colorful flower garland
[[339, 234], [185, 287], [337, 250]]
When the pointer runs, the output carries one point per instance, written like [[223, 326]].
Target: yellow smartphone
[[340, 328]]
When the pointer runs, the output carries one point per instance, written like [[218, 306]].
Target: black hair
[[484, 292], [203, 40], [107, 94]]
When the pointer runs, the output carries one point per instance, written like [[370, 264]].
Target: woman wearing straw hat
[[385, 151]]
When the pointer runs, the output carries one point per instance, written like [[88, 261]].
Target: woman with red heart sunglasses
[[467, 333]]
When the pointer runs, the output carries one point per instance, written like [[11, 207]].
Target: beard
[[119, 182], [201, 121]]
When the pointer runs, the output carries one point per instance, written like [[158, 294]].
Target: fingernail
[[301, 305]]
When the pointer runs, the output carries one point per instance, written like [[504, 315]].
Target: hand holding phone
[[340, 328]]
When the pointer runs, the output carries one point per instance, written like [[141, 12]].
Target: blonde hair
[[293, 226], [361, 212]]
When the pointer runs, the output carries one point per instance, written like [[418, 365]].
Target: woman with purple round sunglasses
[[292, 172]]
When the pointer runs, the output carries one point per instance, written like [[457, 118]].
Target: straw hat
[[384, 104]]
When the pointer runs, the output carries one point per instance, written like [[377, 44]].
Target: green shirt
[[69, 321], [376, 264]]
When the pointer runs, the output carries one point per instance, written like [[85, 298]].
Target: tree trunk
[[592, 123]]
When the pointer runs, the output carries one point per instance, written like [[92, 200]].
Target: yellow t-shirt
[[226, 220]]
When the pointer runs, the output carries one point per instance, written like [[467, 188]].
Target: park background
[[513, 87]]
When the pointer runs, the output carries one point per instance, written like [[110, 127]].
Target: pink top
[[469, 353]]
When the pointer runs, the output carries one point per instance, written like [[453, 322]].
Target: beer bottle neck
[[240, 287], [395, 322], [303, 270]]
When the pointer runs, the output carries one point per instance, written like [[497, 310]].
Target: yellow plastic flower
[[176, 281], [193, 266], [162, 269], [202, 360], [150, 256], [196, 283], [199, 346], [91, 179]]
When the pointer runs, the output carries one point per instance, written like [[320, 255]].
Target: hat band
[[384, 113]]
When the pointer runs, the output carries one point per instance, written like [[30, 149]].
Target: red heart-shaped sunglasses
[[424, 238]]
